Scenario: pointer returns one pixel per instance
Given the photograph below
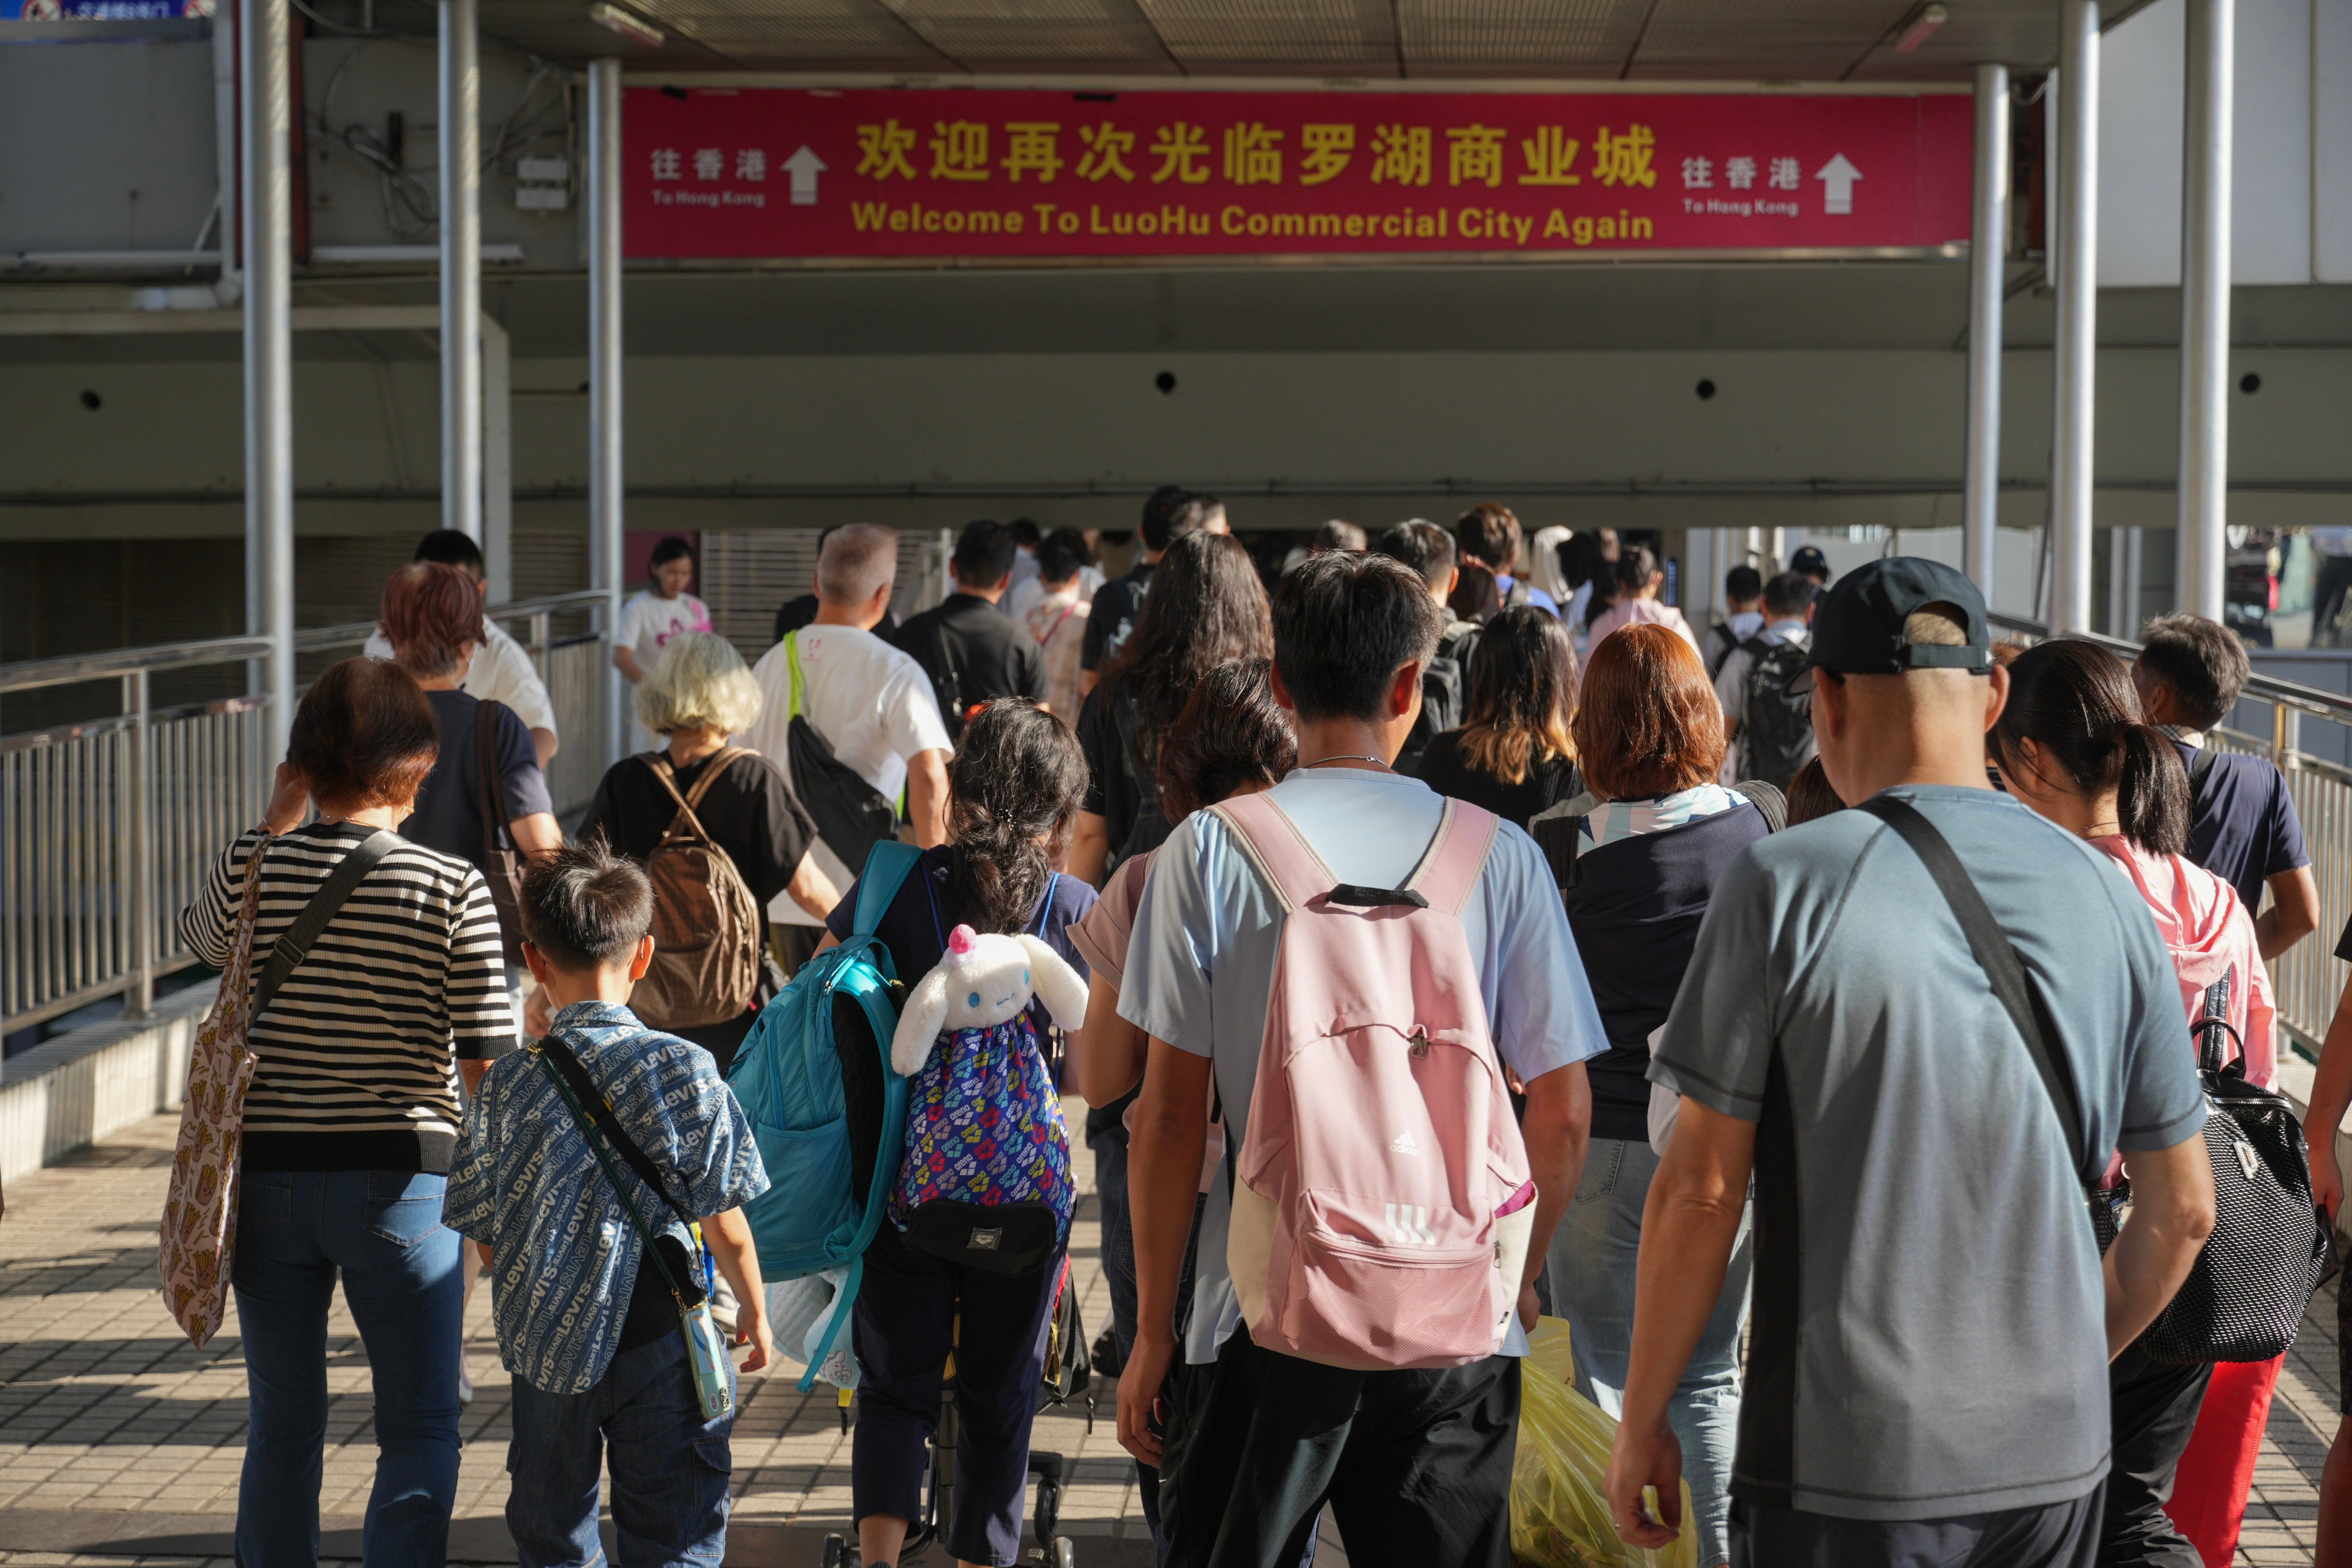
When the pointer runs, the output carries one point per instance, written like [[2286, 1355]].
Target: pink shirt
[[2209, 933], [1633, 611]]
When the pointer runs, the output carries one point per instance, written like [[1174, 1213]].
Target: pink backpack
[[1382, 1200]]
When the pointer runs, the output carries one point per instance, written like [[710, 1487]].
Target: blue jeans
[[1592, 1262], [670, 1466], [383, 1230]]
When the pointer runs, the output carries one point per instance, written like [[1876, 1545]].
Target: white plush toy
[[980, 982]]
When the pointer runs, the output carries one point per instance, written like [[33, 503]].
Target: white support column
[[270, 354], [461, 270], [2076, 254], [2202, 549], [2123, 550], [498, 464], [1988, 257], [606, 473]]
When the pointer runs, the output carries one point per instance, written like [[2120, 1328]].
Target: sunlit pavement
[[115, 1434]]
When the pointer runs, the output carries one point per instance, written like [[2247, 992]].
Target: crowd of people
[[1466, 938]]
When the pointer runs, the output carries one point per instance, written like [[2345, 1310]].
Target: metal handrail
[[113, 663], [348, 632], [97, 843], [2263, 688]]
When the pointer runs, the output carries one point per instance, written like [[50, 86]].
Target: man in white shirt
[[501, 671], [649, 620], [872, 703]]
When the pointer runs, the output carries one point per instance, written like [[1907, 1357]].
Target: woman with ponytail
[[2074, 744], [1014, 787]]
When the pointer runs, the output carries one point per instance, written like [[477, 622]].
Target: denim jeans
[[1592, 1264], [383, 1230], [670, 1466]]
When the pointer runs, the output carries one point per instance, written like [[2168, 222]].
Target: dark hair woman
[[1513, 755], [1013, 786], [1656, 842], [2073, 742], [352, 1115], [1232, 739], [1636, 602], [1206, 605]]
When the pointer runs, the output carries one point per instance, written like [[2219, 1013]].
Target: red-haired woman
[[352, 1115], [1658, 834]]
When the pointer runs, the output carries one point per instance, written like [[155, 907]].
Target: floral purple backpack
[[985, 1180]]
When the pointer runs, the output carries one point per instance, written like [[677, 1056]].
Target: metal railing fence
[[2308, 978], [109, 827]]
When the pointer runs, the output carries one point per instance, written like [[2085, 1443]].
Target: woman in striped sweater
[[352, 1115]]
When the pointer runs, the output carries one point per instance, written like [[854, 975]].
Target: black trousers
[[2152, 1409], [2060, 1535], [1415, 1465]]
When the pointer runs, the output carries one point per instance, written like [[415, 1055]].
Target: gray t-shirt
[[1929, 1333]]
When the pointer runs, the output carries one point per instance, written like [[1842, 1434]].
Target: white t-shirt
[[874, 706], [647, 623], [1027, 591], [501, 672]]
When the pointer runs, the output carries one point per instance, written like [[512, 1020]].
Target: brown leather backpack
[[708, 928]]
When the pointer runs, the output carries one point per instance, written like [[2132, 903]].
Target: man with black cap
[[1922, 1023], [1809, 561]]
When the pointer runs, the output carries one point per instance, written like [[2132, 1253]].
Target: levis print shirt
[[564, 1256]]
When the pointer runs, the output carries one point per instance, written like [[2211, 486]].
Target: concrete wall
[[73, 1091]]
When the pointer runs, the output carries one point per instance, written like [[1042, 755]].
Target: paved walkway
[[114, 1430]]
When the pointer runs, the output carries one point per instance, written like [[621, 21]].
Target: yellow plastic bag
[[1560, 1516]]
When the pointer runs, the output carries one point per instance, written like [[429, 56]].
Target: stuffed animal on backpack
[[985, 1178], [980, 983]]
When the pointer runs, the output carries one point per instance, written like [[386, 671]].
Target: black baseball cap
[[1858, 625], [1810, 561]]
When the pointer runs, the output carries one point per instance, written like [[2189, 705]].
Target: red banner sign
[[909, 174]]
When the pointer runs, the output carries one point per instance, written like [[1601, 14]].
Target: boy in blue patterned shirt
[[586, 1324]]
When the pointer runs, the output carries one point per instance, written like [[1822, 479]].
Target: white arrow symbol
[[804, 166], [1837, 178]]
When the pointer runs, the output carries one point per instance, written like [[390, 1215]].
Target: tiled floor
[[104, 1408]]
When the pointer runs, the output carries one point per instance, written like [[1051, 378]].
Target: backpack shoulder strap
[[886, 867], [2002, 966], [1455, 855], [1766, 798], [293, 943], [793, 665], [1276, 846]]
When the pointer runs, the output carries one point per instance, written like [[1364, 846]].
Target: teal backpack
[[813, 1076]]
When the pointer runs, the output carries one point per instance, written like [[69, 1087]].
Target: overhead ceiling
[[1746, 40]]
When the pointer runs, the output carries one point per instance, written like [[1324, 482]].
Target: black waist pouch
[[1006, 1238]]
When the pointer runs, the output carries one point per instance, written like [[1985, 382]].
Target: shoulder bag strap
[[793, 665], [2201, 766], [293, 943], [1998, 957], [596, 1112], [485, 764], [590, 1134]]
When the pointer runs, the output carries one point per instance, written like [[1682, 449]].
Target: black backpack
[[1721, 641], [1445, 694], [1779, 730]]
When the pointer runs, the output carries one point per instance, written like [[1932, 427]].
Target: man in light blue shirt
[[1255, 1441]]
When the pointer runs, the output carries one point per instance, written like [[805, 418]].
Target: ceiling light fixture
[[637, 30], [1918, 26]]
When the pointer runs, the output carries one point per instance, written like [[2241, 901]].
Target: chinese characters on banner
[[908, 173]]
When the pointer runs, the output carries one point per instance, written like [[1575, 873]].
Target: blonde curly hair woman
[[698, 693]]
